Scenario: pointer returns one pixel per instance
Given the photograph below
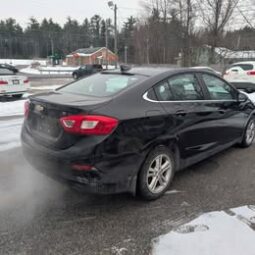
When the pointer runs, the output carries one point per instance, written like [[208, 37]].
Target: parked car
[[10, 67], [208, 69], [131, 130], [86, 70], [12, 84], [242, 72]]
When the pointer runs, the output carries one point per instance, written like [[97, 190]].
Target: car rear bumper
[[6, 93], [106, 177]]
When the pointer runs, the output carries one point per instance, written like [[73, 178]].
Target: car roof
[[244, 62]]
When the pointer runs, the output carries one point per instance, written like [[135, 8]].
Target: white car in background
[[12, 84], [241, 72]]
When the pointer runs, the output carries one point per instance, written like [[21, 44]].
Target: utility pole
[[126, 54], [106, 43], [115, 34], [115, 8]]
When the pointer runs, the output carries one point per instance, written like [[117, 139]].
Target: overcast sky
[[59, 10]]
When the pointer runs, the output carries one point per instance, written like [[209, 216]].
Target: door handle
[[181, 113]]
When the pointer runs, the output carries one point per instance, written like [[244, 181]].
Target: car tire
[[249, 134], [18, 96], [154, 179], [75, 76]]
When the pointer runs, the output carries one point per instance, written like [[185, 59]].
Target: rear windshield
[[245, 67], [102, 85], [5, 71]]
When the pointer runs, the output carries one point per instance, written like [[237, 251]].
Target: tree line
[[165, 32]]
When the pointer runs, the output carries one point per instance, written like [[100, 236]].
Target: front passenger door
[[229, 117], [182, 97]]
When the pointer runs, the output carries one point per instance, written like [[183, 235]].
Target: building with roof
[[98, 55], [222, 55]]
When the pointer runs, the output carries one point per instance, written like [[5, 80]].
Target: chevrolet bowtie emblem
[[39, 108]]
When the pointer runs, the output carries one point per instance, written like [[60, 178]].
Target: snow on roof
[[232, 54]]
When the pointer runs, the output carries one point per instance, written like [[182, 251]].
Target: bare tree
[[216, 15]]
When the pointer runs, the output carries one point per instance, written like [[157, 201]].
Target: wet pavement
[[40, 216]]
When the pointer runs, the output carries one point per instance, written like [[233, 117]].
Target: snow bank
[[11, 130], [22, 62], [9, 109], [51, 87], [214, 233], [48, 70]]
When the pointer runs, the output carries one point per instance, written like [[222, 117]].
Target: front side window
[[101, 85], [185, 87], [218, 89]]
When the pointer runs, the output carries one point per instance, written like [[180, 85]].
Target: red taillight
[[251, 73], [88, 124], [26, 109], [3, 82], [79, 167], [26, 81]]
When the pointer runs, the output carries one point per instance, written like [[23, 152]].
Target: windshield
[[102, 85]]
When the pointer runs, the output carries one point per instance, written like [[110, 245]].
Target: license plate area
[[46, 125], [15, 82]]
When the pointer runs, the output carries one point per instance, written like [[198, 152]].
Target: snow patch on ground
[[10, 109], [10, 130], [217, 233], [49, 70], [52, 87], [171, 192], [22, 62]]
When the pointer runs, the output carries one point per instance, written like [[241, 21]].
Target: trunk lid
[[46, 109]]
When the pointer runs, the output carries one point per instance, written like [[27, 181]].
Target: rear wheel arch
[[142, 188], [170, 145]]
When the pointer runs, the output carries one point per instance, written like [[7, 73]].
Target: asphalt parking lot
[[40, 216]]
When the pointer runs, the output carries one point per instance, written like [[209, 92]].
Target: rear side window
[[163, 91], [102, 85], [185, 87], [244, 67], [218, 89]]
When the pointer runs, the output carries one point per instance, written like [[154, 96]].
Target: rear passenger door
[[182, 96], [229, 117]]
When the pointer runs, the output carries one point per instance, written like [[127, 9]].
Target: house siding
[[99, 57]]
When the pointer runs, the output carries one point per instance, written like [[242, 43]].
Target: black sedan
[[86, 70], [131, 130]]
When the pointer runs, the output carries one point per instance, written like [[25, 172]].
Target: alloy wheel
[[250, 132], [159, 173]]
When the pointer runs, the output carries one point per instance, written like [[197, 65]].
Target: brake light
[[81, 168], [26, 81], [3, 82], [251, 73], [26, 109], [88, 124]]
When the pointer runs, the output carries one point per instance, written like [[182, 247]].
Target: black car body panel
[[192, 129]]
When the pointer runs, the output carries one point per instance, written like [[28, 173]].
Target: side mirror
[[242, 97]]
